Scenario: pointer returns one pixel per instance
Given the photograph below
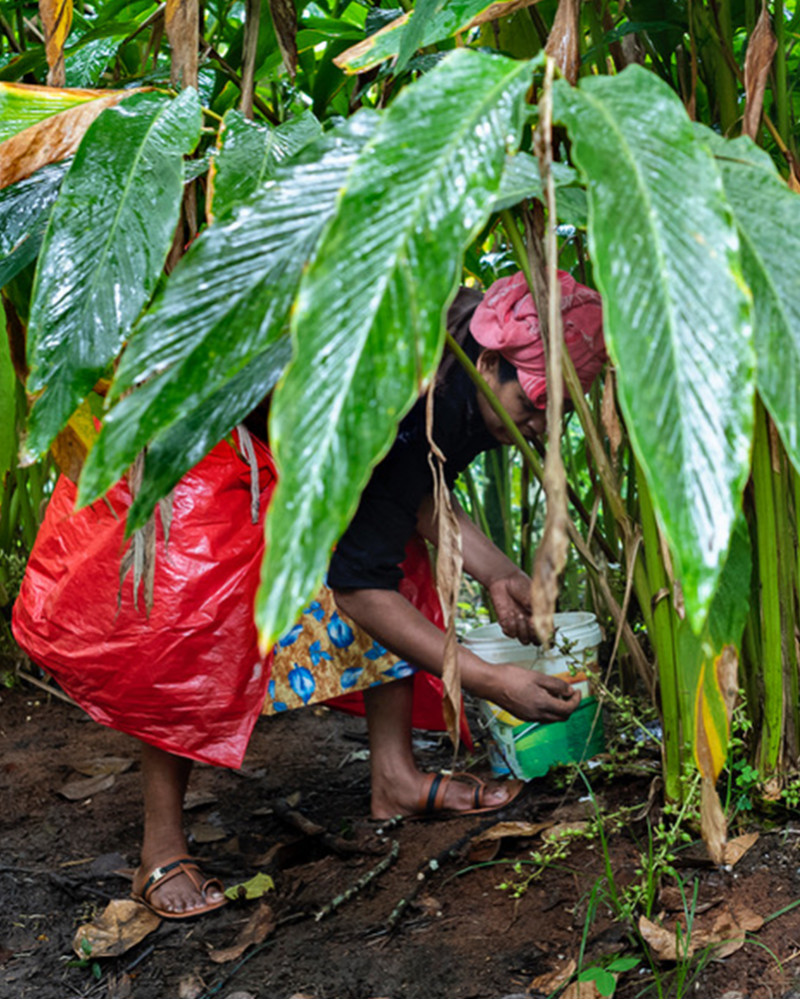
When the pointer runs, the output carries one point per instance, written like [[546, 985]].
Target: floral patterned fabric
[[324, 656]]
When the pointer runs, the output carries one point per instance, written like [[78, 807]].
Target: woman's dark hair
[[459, 316]]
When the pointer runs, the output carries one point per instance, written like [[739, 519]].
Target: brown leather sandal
[[431, 802], [161, 874]]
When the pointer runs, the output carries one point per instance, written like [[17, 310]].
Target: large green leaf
[[24, 210], [521, 180], [369, 318], [108, 236], [23, 104], [191, 343], [768, 215], [182, 444], [677, 313], [249, 153]]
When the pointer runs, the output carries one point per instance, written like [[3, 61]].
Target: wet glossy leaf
[[414, 30], [182, 444], [767, 213], [24, 211], [521, 180], [108, 236], [248, 155], [455, 16], [23, 104], [677, 316], [188, 346], [369, 318], [52, 139]]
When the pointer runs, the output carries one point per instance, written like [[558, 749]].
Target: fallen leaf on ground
[[257, 928], [103, 765], [256, 887], [206, 833], [513, 828], [83, 788], [549, 982], [194, 800], [724, 932], [582, 991], [121, 925], [735, 849]]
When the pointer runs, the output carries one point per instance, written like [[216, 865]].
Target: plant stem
[[664, 641], [771, 665]]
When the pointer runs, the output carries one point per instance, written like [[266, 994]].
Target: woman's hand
[[511, 597], [534, 696]]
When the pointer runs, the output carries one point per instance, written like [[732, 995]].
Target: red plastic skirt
[[188, 678]]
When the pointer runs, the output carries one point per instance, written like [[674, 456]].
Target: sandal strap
[[164, 873]]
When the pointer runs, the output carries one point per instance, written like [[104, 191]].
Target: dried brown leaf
[[448, 577], [724, 932], [260, 925], [563, 42], [52, 139], [735, 849], [512, 828], [662, 942], [610, 417], [582, 991], [713, 824], [84, 788], [284, 18], [761, 49], [183, 32], [103, 765], [196, 799], [56, 18], [119, 927], [207, 833], [549, 982]]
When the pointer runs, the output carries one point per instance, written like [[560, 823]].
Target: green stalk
[[770, 746], [663, 636], [27, 516], [781, 94]]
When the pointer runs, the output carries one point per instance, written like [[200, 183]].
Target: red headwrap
[[506, 321]]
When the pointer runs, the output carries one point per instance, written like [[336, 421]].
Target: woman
[[374, 601]]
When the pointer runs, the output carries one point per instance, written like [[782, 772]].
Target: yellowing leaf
[[71, 447], [52, 139], [57, 19]]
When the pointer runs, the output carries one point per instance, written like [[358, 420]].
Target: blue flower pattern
[[340, 632], [302, 680]]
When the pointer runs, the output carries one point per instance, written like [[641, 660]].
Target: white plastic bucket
[[530, 749]]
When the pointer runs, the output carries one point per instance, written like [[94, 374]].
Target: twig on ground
[[30, 679], [364, 881], [309, 828]]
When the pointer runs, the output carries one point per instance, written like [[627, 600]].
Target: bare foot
[[410, 795]]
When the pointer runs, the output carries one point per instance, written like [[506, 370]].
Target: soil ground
[[431, 923]]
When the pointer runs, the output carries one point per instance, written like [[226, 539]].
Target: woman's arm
[[508, 586], [400, 627]]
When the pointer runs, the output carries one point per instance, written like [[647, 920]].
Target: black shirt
[[370, 551]]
